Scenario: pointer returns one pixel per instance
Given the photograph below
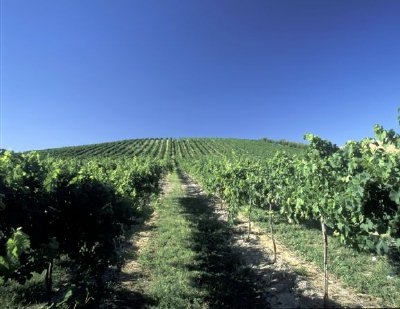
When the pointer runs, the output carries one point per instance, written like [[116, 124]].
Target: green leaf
[[382, 247], [395, 196], [17, 244], [3, 265], [299, 202], [380, 133]]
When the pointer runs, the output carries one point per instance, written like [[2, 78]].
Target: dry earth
[[127, 290], [281, 285]]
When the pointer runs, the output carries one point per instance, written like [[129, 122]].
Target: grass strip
[[168, 259], [189, 261], [365, 272]]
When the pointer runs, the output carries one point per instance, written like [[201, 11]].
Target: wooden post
[[271, 228], [325, 241], [249, 218], [49, 280]]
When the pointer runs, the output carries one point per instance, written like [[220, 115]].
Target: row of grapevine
[[171, 148], [51, 208], [354, 190]]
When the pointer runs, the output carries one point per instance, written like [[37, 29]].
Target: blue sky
[[77, 72]]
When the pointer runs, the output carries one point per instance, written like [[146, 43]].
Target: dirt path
[[126, 292], [140, 237], [246, 275], [310, 280], [281, 284]]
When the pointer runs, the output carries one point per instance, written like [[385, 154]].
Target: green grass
[[366, 273], [168, 259], [188, 261]]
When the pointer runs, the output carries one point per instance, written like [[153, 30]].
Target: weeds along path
[[276, 284], [186, 256], [308, 278], [126, 293], [186, 260], [289, 282]]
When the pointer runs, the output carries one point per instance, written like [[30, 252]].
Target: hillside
[[176, 148], [85, 211]]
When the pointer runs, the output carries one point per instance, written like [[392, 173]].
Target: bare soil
[[127, 292], [137, 243], [290, 282]]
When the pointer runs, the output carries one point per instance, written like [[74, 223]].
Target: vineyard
[[168, 148], [67, 213]]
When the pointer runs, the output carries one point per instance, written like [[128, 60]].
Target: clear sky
[[87, 71]]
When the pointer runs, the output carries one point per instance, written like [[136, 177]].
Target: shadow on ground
[[227, 281], [223, 277], [118, 296]]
